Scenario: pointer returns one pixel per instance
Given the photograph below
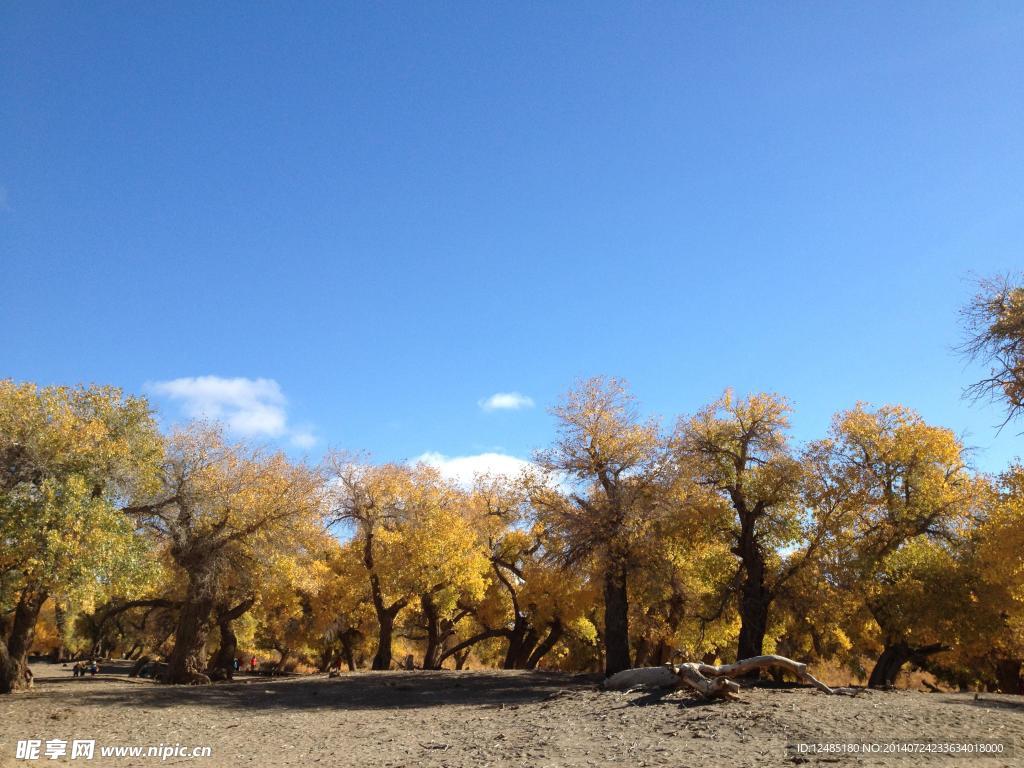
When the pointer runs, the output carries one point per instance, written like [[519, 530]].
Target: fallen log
[[709, 680], [643, 677]]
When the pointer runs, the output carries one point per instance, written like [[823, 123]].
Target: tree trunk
[[347, 649], [432, 653], [663, 653], [60, 619], [526, 648], [554, 635], [894, 656], [1008, 676], [466, 645], [642, 652], [14, 656], [522, 639], [223, 665], [386, 629], [754, 599], [385, 618], [185, 664], [616, 618], [888, 665], [516, 636]]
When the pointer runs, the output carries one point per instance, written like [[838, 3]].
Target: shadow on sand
[[360, 690]]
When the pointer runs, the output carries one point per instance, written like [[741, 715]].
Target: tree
[[415, 540], [529, 604], [614, 459], [905, 495], [1000, 565], [68, 457], [994, 322], [739, 449], [343, 616], [222, 511]]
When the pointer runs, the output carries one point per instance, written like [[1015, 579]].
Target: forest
[[631, 541]]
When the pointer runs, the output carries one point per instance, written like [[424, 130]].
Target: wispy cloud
[[462, 469], [303, 439], [248, 407], [506, 401]]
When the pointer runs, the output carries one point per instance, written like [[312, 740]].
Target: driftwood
[[709, 680]]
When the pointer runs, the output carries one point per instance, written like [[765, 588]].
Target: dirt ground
[[489, 719]]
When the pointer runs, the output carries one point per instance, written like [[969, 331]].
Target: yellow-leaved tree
[[69, 456], [223, 512], [613, 459], [416, 542], [906, 498], [739, 448]]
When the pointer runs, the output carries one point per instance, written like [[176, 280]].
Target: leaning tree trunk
[[555, 633], [616, 617], [894, 656], [521, 641], [14, 656], [516, 638]]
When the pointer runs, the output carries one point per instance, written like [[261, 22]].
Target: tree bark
[[60, 619], [385, 633], [14, 656], [522, 639], [642, 652], [435, 639], [616, 617], [467, 644], [1008, 676], [223, 666], [385, 615], [555, 632], [185, 664], [894, 656], [347, 639], [754, 599]]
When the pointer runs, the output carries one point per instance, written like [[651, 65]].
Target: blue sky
[[365, 219]]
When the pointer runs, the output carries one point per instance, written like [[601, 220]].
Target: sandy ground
[[489, 719]]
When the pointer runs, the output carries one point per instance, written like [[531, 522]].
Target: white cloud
[[303, 439], [462, 469], [506, 401], [248, 407]]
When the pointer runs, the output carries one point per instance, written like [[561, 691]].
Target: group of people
[[82, 667], [238, 664]]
